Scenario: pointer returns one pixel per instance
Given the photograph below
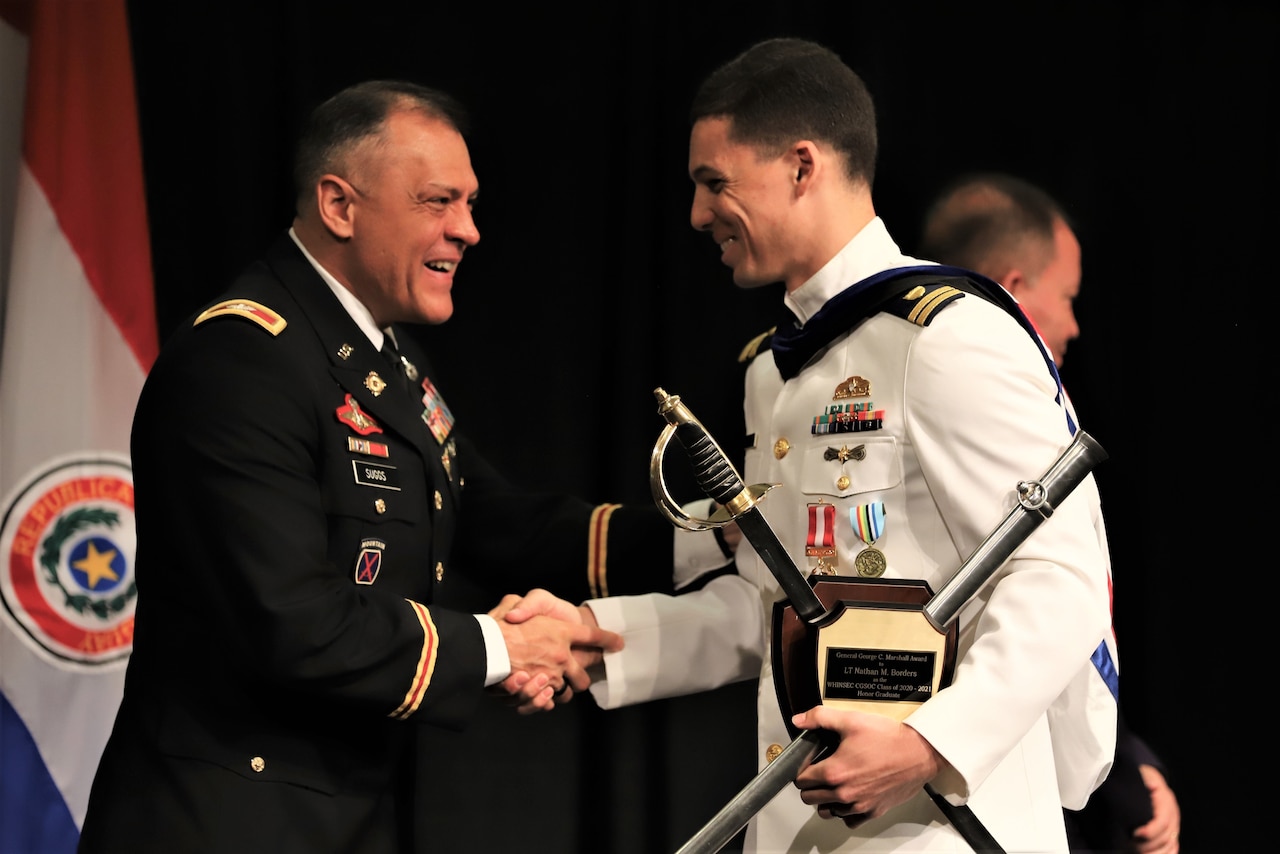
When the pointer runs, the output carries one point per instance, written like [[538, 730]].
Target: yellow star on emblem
[[97, 565]]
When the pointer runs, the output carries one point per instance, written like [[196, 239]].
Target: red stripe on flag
[[87, 157]]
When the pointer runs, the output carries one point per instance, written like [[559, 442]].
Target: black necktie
[[392, 355]]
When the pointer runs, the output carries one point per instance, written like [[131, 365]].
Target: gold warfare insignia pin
[[853, 387], [845, 453]]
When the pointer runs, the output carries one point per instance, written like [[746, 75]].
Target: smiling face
[[409, 217], [746, 202]]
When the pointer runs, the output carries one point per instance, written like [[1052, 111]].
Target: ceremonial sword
[[719, 480]]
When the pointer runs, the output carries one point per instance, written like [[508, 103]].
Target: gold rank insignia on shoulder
[[750, 351], [929, 301], [255, 311]]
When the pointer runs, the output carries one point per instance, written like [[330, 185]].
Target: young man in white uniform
[[962, 404]]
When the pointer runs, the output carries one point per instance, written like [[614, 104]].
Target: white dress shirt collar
[[359, 313], [870, 251]]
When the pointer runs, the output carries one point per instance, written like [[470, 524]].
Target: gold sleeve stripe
[[426, 663], [598, 551], [931, 303]]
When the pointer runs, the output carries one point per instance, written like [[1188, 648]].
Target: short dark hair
[[358, 112], [784, 89], [982, 219]]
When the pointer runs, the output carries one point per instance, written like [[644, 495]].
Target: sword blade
[[763, 788]]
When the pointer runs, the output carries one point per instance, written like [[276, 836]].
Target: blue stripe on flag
[[34, 818]]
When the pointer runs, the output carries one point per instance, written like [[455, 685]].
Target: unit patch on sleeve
[[369, 561]]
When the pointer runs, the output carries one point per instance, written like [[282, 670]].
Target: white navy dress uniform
[[968, 408]]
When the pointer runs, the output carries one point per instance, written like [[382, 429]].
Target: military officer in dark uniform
[[301, 493]]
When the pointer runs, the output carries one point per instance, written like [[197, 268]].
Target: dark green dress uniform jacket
[[295, 520]]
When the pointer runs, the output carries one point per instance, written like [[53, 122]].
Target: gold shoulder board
[[255, 311], [753, 346]]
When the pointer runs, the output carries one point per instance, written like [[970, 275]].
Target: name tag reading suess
[[376, 474]]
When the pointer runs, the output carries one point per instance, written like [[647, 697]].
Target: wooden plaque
[[874, 652]]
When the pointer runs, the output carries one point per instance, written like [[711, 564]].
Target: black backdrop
[[589, 289]]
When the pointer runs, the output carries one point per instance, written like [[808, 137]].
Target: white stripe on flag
[[79, 333]]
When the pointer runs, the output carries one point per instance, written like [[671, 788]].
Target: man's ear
[[334, 200], [1015, 282], [806, 159]]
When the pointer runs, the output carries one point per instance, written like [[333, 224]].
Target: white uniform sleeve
[[696, 552], [678, 645], [981, 415]]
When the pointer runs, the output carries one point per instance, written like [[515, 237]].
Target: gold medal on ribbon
[[870, 562], [868, 521]]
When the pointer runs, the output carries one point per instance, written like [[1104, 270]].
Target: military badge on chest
[[868, 523], [446, 458], [366, 472], [357, 419], [435, 413], [821, 541], [848, 413], [369, 471]]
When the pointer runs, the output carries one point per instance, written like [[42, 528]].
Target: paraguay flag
[[79, 334]]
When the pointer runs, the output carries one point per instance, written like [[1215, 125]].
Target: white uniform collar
[[870, 251], [361, 315]]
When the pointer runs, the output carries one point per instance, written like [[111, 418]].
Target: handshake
[[551, 644]]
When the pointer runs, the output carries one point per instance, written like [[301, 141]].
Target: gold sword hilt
[[712, 470]]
